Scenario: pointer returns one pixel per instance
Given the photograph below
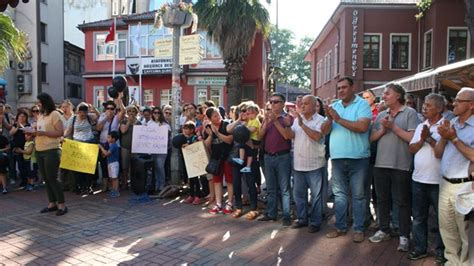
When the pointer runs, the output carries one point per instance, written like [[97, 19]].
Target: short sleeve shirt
[[47, 123], [308, 154], [345, 143], [105, 129], [114, 153], [220, 149], [82, 130], [126, 138], [427, 167], [256, 124], [453, 163], [392, 151]]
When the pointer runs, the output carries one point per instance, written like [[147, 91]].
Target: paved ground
[[100, 230]]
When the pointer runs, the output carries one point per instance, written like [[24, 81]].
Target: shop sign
[[148, 66], [206, 81], [354, 45]]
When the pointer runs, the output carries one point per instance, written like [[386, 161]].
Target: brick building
[[378, 41], [201, 82]]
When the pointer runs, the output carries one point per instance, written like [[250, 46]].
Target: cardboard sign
[[151, 139], [79, 156], [195, 159]]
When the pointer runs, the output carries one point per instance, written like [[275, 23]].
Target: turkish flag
[[111, 36]]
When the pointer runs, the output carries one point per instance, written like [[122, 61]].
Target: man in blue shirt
[[348, 120]]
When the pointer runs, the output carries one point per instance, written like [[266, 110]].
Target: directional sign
[[190, 59], [164, 48], [190, 50]]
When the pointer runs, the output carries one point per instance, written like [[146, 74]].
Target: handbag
[[213, 166]]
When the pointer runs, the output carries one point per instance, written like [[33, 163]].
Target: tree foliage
[[13, 42], [232, 24], [289, 58]]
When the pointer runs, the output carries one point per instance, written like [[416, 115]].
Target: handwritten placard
[[195, 159], [150, 139], [79, 156]]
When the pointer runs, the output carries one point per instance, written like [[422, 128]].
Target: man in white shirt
[[309, 160], [426, 177]]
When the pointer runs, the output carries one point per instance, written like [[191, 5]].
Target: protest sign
[[150, 139], [195, 159], [79, 156]]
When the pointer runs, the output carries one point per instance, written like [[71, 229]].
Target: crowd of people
[[388, 154]]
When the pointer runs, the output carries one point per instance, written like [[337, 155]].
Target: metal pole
[[176, 97]]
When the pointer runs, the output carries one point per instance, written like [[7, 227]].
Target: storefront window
[[148, 97], [457, 47], [400, 51], [216, 96], [201, 95], [372, 51], [99, 96], [165, 97]]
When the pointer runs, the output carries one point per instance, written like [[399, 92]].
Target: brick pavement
[[100, 230]]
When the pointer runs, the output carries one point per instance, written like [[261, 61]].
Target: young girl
[[113, 166], [194, 185], [27, 153]]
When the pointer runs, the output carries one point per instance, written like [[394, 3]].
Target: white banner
[[195, 159], [151, 139]]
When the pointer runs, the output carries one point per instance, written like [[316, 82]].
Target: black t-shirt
[[220, 149], [19, 137], [4, 142]]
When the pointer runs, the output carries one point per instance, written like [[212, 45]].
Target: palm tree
[[233, 24], [13, 42]]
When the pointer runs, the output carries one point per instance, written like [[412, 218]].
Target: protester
[[277, 159], [27, 153], [159, 159], [308, 163], [393, 129], [195, 192], [4, 148], [18, 134], [219, 141], [49, 131], [456, 150], [348, 120], [426, 177], [126, 130]]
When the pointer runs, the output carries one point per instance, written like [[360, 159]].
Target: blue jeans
[[159, 171], [349, 175], [424, 196], [308, 212], [277, 171]]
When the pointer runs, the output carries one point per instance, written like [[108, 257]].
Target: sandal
[[237, 213], [251, 215]]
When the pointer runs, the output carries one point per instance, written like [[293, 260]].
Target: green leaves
[[13, 42]]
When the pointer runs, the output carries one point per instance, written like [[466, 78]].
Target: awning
[[3, 82], [454, 76]]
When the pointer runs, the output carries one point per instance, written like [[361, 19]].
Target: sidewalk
[[100, 230]]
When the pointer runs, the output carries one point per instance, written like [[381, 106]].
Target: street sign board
[[164, 48]]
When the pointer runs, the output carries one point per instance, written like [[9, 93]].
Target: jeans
[[249, 179], [159, 162], [48, 164], [424, 195], [398, 184], [349, 176], [277, 171], [324, 188], [308, 212]]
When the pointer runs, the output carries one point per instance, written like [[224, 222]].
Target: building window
[[75, 90], [43, 30], [211, 49], [457, 44], [201, 95], [144, 37], [319, 73], [336, 60], [44, 73], [372, 51], [99, 96], [216, 96], [427, 49], [329, 67], [148, 99], [105, 51], [165, 97], [400, 51]]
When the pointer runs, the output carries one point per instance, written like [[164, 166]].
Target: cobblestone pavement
[[100, 230]]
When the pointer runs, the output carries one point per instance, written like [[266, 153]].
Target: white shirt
[[105, 129], [308, 154], [427, 166]]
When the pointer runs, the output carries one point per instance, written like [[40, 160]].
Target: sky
[[303, 17]]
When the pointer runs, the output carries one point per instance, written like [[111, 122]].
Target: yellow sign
[[190, 50], [79, 156], [164, 47], [190, 40]]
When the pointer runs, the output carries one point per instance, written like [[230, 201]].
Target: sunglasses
[[168, 113], [243, 110], [275, 102], [110, 108], [35, 111], [157, 113]]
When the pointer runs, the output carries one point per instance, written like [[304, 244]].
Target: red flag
[[111, 35]]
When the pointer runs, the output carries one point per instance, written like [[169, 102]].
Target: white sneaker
[[379, 236], [404, 245]]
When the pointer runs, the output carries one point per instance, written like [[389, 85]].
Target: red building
[[379, 41], [201, 82]]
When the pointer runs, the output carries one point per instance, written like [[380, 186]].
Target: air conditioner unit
[[115, 8], [24, 66], [24, 83]]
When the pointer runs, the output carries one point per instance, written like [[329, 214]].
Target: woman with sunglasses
[[160, 159], [49, 131]]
